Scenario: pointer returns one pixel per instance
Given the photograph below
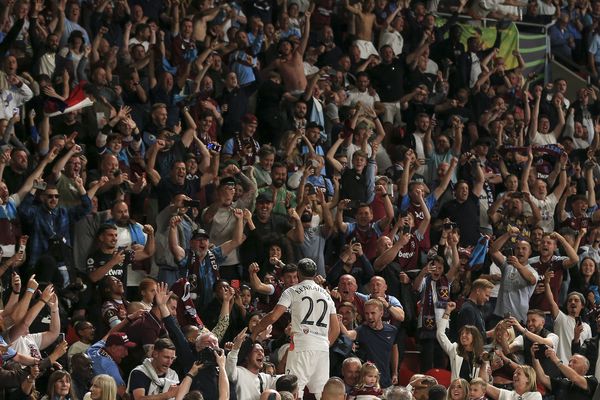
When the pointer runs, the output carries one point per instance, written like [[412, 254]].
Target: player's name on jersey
[[299, 289]]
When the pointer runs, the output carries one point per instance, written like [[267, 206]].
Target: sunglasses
[[53, 196]]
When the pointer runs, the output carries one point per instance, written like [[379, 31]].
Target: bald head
[[334, 389]]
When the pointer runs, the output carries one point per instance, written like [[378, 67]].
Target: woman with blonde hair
[[503, 362], [458, 390], [103, 387], [524, 384], [59, 387]]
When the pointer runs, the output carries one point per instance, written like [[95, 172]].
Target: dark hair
[[287, 268], [105, 227], [164, 344], [288, 383], [218, 282]]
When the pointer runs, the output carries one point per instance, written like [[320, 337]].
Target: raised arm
[[330, 156], [305, 34], [549, 296], [533, 126], [561, 117]]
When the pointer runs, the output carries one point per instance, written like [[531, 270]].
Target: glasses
[[53, 196]]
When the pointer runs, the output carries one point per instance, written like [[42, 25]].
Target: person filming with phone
[[574, 383]]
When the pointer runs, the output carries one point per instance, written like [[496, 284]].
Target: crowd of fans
[[291, 199]]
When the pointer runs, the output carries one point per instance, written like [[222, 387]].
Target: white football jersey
[[311, 307]]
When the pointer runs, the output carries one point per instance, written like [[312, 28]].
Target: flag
[[479, 253], [76, 101]]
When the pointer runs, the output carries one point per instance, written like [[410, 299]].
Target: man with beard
[[172, 145], [244, 61], [566, 324], [221, 221], [547, 261], [545, 201], [100, 80], [106, 260], [248, 380], [71, 164], [132, 237], [297, 120], [199, 262], [282, 198], [377, 342], [167, 267], [290, 64], [45, 61], [329, 52], [242, 146], [266, 224], [50, 223], [115, 182], [14, 176], [313, 246], [176, 181]]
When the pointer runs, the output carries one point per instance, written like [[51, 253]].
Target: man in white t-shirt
[[314, 327], [564, 324], [544, 201]]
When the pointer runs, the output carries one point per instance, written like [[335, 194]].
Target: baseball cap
[[264, 198], [119, 339], [199, 234]]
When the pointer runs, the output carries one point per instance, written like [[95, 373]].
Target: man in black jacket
[[471, 312]]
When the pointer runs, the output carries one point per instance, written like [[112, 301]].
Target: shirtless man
[[365, 22], [290, 64]]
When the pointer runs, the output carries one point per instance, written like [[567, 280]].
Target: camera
[[485, 356], [517, 195], [207, 357], [449, 225], [191, 203], [541, 351], [129, 255]]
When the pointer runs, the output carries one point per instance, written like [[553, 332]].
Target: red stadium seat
[[443, 376]]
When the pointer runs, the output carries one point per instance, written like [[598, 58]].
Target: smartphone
[[235, 283], [578, 321], [40, 185], [214, 147], [405, 229], [115, 80], [61, 337]]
